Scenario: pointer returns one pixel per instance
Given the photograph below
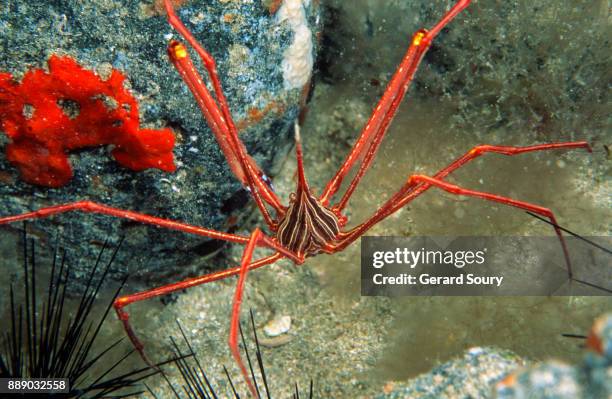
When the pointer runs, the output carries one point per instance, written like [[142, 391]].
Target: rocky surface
[[493, 373], [249, 42], [589, 379], [468, 376]]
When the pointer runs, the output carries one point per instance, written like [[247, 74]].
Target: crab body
[[307, 227]]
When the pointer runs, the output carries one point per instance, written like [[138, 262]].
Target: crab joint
[[418, 37], [177, 50]]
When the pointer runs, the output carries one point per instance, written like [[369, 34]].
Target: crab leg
[[410, 192], [235, 322], [418, 184], [372, 134], [123, 301], [218, 115], [257, 238], [94, 207], [181, 60]]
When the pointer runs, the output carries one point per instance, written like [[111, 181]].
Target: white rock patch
[[297, 59]]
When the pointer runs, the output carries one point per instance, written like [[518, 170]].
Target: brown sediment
[[231, 221], [157, 8], [236, 21], [272, 5], [304, 96], [389, 387], [98, 184], [6, 178], [255, 115], [594, 341], [96, 181], [508, 381]]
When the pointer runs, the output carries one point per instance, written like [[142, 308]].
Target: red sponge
[[48, 115]]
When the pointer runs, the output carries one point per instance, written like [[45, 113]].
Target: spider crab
[[310, 224]]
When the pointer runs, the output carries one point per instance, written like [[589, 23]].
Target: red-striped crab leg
[[418, 184], [218, 116], [372, 134]]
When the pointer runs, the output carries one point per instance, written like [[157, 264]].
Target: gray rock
[[549, 380], [469, 376], [248, 42], [487, 372], [589, 379]]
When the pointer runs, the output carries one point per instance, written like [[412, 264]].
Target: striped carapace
[[307, 226]]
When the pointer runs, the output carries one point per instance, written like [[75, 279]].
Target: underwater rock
[[249, 42], [469, 376], [591, 379], [488, 372], [546, 380]]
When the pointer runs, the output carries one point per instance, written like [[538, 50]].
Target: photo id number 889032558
[[33, 385]]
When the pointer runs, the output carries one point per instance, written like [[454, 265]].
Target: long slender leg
[[233, 335], [236, 159], [454, 189], [218, 114], [210, 65], [121, 302], [409, 192], [415, 187], [367, 145], [93, 207]]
